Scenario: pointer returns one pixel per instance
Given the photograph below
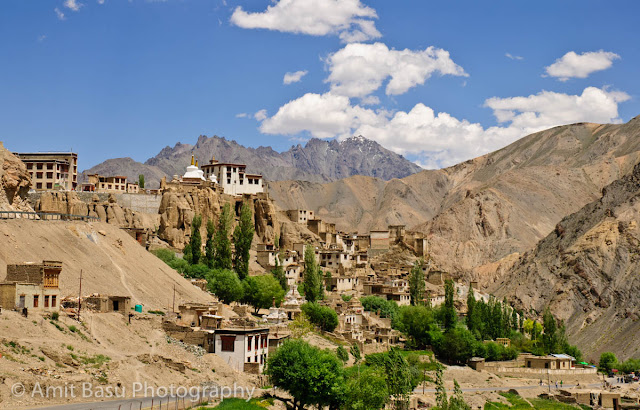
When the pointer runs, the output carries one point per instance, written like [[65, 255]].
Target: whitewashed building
[[233, 178]]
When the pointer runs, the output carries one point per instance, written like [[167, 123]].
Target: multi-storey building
[[233, 178], [51, 170]]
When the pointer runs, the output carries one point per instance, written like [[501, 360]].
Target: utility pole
[[173, 310], [80, 295]]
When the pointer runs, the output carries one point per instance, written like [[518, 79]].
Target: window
[[49, 185], [228, 181], [29, 166], [35, 300], [39, 185], [50, 175], [46, 301], [228, 343], [39, 166], [49, 166], [39, 175], [250, 343], [53, 300]]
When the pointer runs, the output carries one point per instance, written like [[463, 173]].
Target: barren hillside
[[588, 272], [112, 262], [486, 208]]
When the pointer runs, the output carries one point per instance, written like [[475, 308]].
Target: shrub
[[321, 316]]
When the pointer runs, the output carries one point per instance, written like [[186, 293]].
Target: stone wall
[[24, 273], [149, 204]]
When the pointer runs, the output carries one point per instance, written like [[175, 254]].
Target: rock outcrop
[[15, 182], [110, 211], [180, 203], [587, 271]]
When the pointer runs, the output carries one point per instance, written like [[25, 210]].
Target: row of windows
[[36, 300], [40, 165]]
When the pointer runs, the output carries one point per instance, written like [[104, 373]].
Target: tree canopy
[[242, 239], [312, 376]]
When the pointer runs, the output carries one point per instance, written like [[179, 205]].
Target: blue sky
[[431, 80]]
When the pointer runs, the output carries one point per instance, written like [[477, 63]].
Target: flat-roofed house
[[233, 178], [32, 286], [51, 170]]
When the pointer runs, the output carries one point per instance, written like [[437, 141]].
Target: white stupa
[[193, 174]]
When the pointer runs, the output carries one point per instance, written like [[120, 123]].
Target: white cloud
[[242, 115], [59, 13], [293, 77], [440, 139], [357, 70], [512, 57], [572, 65], [101, 1], [260, 115], [42, 38], [349, 19], [73, 5]]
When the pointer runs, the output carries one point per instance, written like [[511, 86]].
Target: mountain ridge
[[318, 160]]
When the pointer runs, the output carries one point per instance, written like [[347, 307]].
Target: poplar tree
[[449, 314], [196, 240], [221, 241], [312, 280], [416, 283], [209, 248], [242, 238]]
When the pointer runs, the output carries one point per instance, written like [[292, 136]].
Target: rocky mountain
[[14, 182], [587, 270], [318, 161], [486, 208]]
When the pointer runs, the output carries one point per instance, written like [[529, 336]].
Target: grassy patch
[[60, 328], [156, 312], [241, 404], [16, 347]]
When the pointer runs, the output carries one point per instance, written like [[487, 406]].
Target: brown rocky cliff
[[15, 182], [110, 211], [180, 204], [587, 271]]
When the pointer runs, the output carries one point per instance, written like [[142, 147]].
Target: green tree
[[187, 255], [221, 242], [455, 346], [312, 280], [322, 316], [416, 322], [224, 283], [300, 326], [261, 291], [242, 238], [209, 247], [355, 352], [550, 335], [342, 354], [279, 274], [141, 181], [442, 402], [473, 313], [457, 401], [607, 362], [387, 308], [449, 310], [310, 375], [366, 389], [196, 240], [416, 283], [399, 379]]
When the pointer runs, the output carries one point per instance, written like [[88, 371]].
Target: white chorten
[[193, 172]]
